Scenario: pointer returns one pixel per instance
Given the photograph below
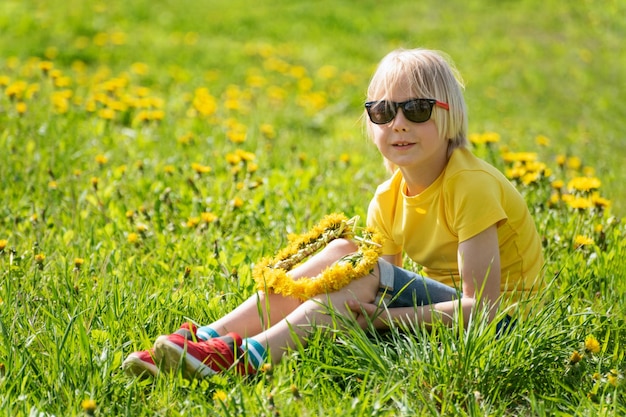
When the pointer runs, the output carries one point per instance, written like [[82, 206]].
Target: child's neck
[[417, 180]]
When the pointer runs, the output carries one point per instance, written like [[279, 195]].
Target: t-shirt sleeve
[[474, 203]]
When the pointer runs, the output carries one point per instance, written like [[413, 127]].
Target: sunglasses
[[417, 110]]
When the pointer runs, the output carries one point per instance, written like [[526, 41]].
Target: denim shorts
[[402, 288]]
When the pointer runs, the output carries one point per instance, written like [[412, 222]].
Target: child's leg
[[209, 357], [262, 310], [294, 328]]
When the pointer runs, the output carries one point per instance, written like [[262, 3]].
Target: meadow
[[152, 152]]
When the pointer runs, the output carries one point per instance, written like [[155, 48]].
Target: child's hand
[[365, 313]]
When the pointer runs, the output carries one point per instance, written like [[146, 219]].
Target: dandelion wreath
[[272, 273]]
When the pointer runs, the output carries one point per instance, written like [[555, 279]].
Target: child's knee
[[342, 247]]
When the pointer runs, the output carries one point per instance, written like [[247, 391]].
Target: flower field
[[151, 156]]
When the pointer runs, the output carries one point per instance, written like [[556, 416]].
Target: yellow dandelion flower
[[139, 68], [203, 102], [574, 162], [46, 66], [591, 344], [240, 185], [233, 158], [208, 217], [39, 258], [305, 84], [491, 137], [268, 131], [298, 71], [236, 136], [327, 72], [516, 172], [295, 392], [589, 171], [193, 222], [511, 157], [63, 82], [21, 107], [561, 160], [15, 90], [142, 116], [200, 169], [584, 184], [157, 115], [598, 228], [107, 114], [101, 159], [78, 262], [3, 244], [581, 240], [246, 156], [557, 184], [554, 199], [141, 228], [53, 185], [252, 167], [277, 94], [344, 157], [133, 238], [531, 177], [233, 104], [237, 202], [575, 357], [578, 203], [94, 182], [88, 405], [255, 80], [313, 101], [600, 202], [185, 139], [118, 38], [476, 138], [613, 377], [542, 140], [220, 395], [169, 169], [31, 91]]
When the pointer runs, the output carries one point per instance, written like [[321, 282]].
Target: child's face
[[416, 148]]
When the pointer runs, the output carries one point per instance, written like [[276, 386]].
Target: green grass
[[104, 243]]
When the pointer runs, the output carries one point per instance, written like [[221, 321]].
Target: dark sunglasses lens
[[417, 111], [381, 112]]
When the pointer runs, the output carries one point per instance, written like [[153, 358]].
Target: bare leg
[[262, 310], [297, 324]]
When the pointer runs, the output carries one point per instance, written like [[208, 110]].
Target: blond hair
[[430, 74]]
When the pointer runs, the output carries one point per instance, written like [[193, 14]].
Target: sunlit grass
[[139, 191]]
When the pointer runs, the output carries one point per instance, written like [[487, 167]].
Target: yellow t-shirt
[[467, 198]]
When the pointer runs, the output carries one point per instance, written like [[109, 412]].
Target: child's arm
[[393, 259], [479, 265]]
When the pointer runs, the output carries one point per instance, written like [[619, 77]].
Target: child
[[452, 213]]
